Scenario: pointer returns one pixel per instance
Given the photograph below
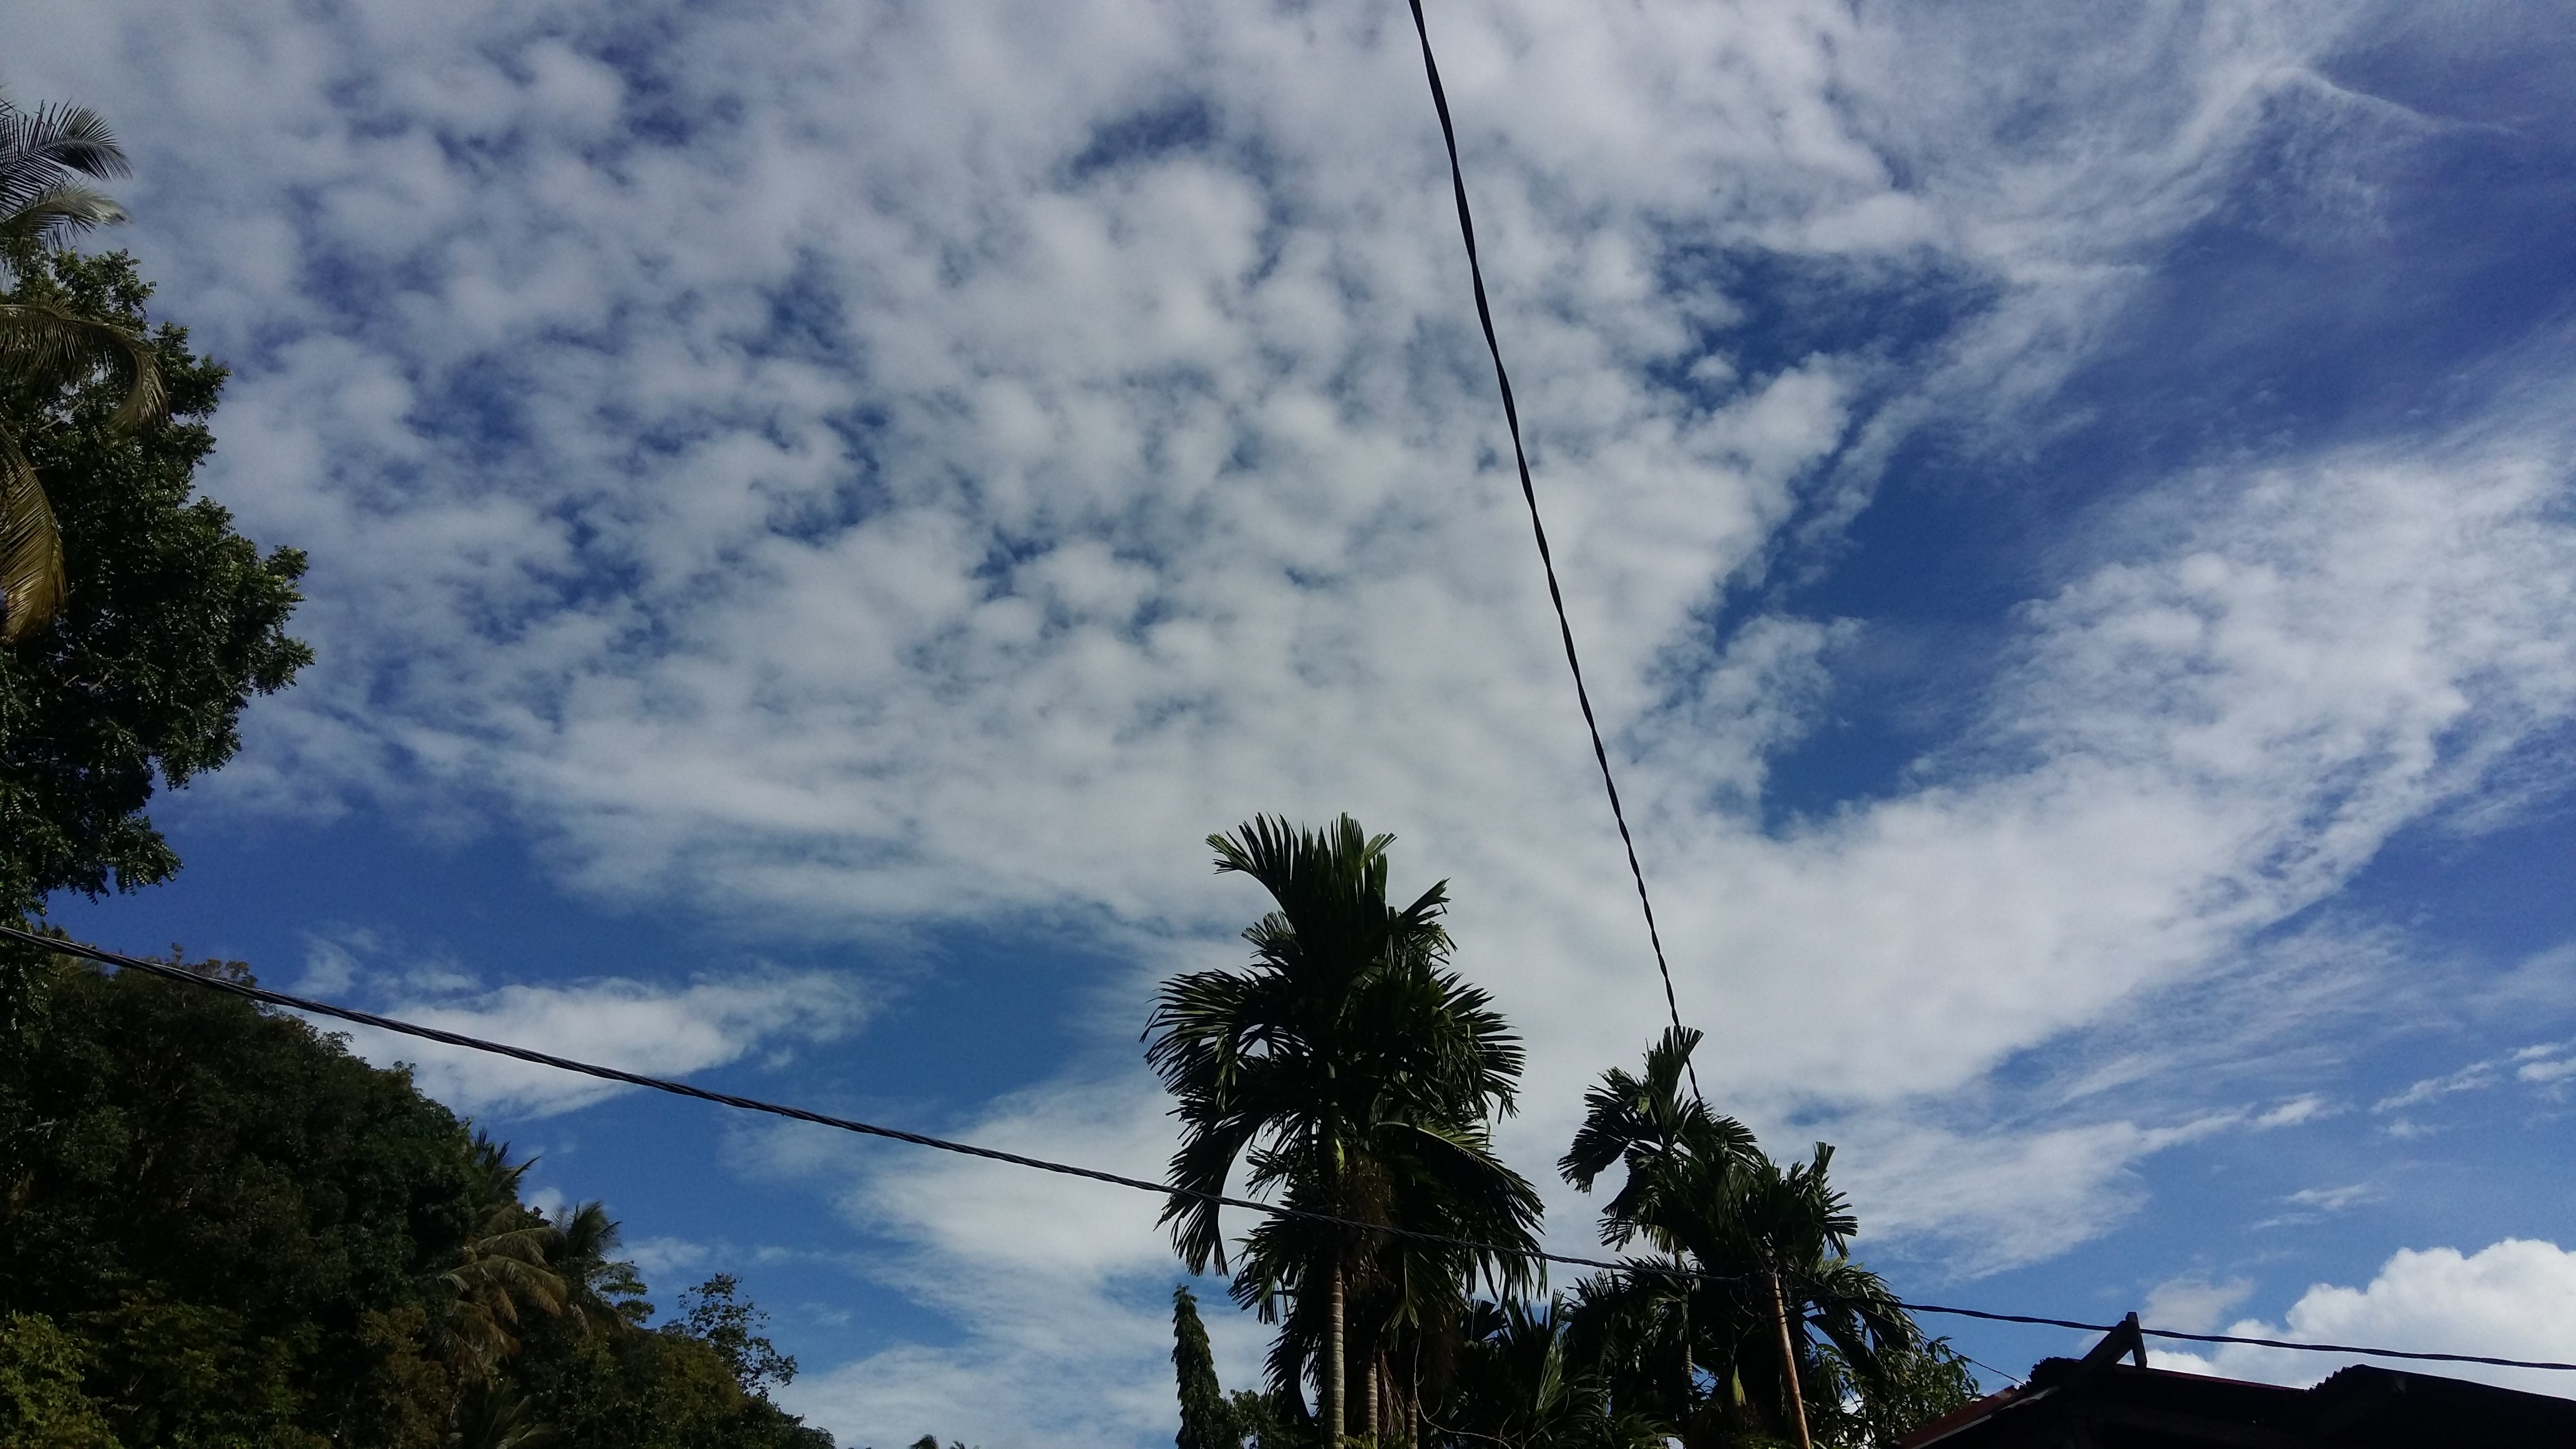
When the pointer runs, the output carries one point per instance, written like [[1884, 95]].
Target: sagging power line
[[173, 972]]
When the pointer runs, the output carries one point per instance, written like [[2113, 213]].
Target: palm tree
[[1350, 1073], [501, 1270], [1774, 1243], [599, 1291], [46, 346], [492, 1414], [1519, 1383]]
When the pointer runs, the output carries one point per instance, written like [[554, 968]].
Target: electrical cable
[[1538, 529], [2233, 1338], [169, 971], [172, 972]]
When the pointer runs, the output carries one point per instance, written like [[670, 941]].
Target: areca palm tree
[[1520, 1383], [1347, 1071], [46, 346], [1735, 1352]]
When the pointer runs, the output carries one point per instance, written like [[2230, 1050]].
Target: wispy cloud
[[658, 1030], [2539, 1065]]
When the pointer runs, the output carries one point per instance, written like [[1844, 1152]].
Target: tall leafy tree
[[600, 1290], [1207, 1420], [238, 1223], [1350, 1072], [172, 623]]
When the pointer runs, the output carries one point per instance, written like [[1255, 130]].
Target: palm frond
[[41, 148], [32, 584], [63, 207], [47, 346]]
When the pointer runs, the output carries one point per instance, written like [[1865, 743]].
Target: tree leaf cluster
[[218, 1228]]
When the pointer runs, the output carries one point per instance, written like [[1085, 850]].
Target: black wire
[[172, 972], [2011, 1381], [1538, 530], [169, 971], [2232, 1338]]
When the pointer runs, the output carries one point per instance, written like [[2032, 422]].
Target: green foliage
[[218, 1229], [1272, 1421], [1905, 1390], [171, 623], [724, 1322], [666, 1389], [1207, 1420], [1520, 1380], [1705, 1356], [41, 1403], [216, 1200]]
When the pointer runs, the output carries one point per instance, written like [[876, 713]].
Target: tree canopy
[[219, 1228], [169, 623]]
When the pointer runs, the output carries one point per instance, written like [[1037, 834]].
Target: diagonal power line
[[1538, 528], [171, 972], [262, 994]]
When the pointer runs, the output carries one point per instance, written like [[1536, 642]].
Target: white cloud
[[2304, 1108], [2193, 1303], [662, 1259], [330, 966], [1999, 1199], [655, 1030], [2334, 1199], [2540, 1066], [2513, 1299]]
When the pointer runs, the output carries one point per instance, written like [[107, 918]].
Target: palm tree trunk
[[1333, 1360], [1368, 1400], [1789, 1363]]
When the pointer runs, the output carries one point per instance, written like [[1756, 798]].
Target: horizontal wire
[[2522, 1363], [262, 994]]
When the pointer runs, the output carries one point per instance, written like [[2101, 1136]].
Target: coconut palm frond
[[31, 549], [39, 147], [63, 207], [50, 346]]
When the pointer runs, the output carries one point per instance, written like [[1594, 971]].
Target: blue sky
[[816, 510]]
